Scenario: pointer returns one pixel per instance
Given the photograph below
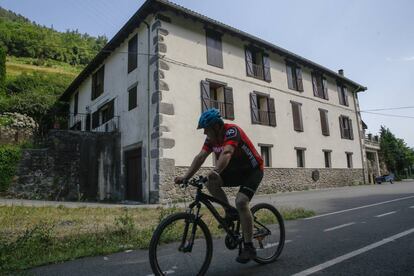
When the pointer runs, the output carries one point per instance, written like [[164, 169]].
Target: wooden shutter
[[228, 102], [254, 110], [325, 89], [266, 68], [346, 96], [341, 126], [111, 109], [205, 95], [249, 62], [297, 120], [88, 122], [315, 85], [324, 122], [132, 98], [272, 112], [289, 72], [214, 49], [351, 132], [339, 88], [299, 79], [76, 103], [95, 119], [132, 53]]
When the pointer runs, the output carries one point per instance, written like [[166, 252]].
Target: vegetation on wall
[[9, 158]]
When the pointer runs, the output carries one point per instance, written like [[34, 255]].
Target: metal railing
[[220, 106], [85, 122], [258, 71]]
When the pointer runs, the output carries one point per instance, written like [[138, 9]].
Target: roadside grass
[[33, 236]]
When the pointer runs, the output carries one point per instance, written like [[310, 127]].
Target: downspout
[[148, 111], [359, 131]]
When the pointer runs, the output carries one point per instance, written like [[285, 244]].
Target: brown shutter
[[299, 79], [272, 112], [266, 68], [346, 96], [132, 53], [95, 119], [325, 89], [254, 109], [111, 109], [205, 95], [297, 120], [341, 127], [315, 85], [324, 122], [351, 132], [249, 62], [228, 101], [339, 88], [289, 69]]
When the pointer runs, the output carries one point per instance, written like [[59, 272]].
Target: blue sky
[[372, 40]]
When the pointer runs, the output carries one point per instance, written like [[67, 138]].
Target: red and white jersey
[[245, 156]]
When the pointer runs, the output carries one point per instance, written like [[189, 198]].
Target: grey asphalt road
[[366, 230]]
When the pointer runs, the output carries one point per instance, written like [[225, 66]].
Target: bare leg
[[246, 218], [214, 187]]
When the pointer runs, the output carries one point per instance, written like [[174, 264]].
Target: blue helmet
[[209, 118]]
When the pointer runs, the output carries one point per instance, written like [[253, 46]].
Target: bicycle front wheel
[[174, 250], [268, 233]]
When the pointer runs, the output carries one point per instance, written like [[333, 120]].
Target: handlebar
[[196, 182]]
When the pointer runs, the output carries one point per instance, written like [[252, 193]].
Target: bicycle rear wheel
[[268, 232], [170, 252]]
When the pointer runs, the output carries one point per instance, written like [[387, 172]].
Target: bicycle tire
[[281, 241], [158, 233]]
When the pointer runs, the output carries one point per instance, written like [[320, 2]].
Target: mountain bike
[[182, 243]]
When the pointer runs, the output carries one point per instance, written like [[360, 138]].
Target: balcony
[[84, 122], [372, 141]]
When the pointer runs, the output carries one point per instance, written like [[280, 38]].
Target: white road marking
[[360, 207], [269, 245], [165, 272], [339, 226], [412, 207], [353, 254], [386, 214]]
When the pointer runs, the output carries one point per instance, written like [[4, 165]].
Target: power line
[[389, 115], [390, 108]]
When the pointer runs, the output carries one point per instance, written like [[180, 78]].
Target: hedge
[[9, 159]]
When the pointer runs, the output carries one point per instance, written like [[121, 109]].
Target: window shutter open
[[341, 127], [228, 100], [289, 76], [272, 112], [266, 68], [339, 88], [324, 122], [325, 89], [254, 108], [315, 85], [346, 96], [111, 109], [205, 95], [299, 79], [351, 132], [95, 119], [249, 62], [297, 120]]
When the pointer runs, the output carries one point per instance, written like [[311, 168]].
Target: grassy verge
[[32, 236]]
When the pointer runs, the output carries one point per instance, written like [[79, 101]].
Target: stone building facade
[[168, 64]]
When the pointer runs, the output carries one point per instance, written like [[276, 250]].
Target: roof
[[153, 6]]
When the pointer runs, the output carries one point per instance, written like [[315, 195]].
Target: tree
[[394, 152], [2, 70]]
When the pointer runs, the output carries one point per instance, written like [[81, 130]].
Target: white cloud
[[408, 58]]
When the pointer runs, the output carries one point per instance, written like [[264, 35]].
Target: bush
[[9, 158]]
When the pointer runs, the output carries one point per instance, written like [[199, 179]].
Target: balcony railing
[[258, 71], [85, 122], [220, 106]]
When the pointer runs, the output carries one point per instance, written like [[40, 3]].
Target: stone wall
[[19, 128], [275, 180], [72, 166]]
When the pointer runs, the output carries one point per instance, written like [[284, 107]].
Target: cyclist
[[238, 164]]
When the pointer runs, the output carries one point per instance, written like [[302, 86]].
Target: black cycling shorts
[[248, 180]]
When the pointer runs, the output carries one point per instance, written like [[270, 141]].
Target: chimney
[[341, 72]]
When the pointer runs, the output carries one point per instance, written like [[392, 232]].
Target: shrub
[[9, 158]]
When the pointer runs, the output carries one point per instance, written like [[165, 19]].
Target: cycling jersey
[[245, 156]]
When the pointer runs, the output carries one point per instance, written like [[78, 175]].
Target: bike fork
[[187, 245]]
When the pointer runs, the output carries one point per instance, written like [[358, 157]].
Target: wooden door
[[134, 187]]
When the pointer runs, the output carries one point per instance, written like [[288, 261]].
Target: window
[[262, 109], [98, 83], [300, 157], [132, 98], [132, 53], [327, 155], [320, 86], [75, 103], [257, 64], [265, 151], [343, 94], [349, 159], [217, 95], [214, 48], [324, 121], [294, 76], [104, 114], [345, 125], [297, 116]]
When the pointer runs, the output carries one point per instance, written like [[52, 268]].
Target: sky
[[372, 40]]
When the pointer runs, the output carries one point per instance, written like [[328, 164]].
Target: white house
[[167, 64]]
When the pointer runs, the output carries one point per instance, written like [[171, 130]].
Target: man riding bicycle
[[238, 164]]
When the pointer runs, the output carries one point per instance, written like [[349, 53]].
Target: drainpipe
[[148, 111], [359, 131]]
